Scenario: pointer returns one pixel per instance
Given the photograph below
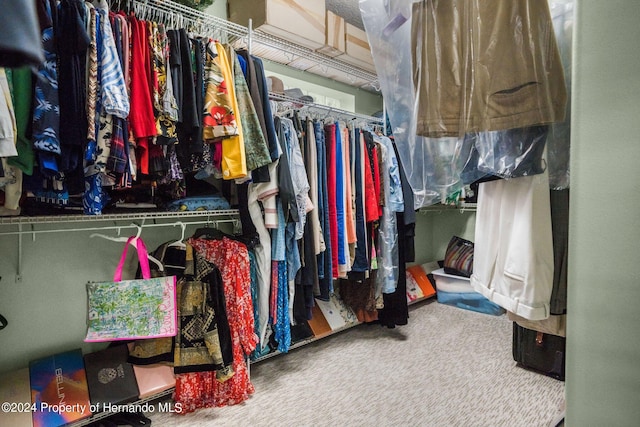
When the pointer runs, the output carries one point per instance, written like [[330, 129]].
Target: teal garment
[[21, 87], [255, 145]]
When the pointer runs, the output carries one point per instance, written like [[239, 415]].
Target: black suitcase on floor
[[540, 352]]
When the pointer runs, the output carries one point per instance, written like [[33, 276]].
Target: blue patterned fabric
[[46, 108], [199, 203], [283, 325], [93, 198], [396, 199], [115, 99]]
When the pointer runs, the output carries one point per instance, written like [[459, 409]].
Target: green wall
[[46, 309], [435, 227], [603, 335], [218, 8], [367, 102]]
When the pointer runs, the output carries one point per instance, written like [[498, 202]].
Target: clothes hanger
[[132, 243], [211, 233], [179, 243]]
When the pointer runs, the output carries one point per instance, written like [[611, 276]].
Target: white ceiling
[[348, 9]]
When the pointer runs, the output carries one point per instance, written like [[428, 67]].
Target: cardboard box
[[334, 43], [358, 51], [299, 21]]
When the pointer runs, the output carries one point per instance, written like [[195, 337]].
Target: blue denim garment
[[320, 160], [361, 262], [324, 258], [293, 251], [342, 258], [278, 244], [395, 197]]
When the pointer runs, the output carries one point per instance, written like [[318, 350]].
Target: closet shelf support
[[20, 250]]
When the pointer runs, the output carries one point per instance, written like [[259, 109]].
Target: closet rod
[[171, 8], [438, 208], [182, 12], [52, 219], [306, 104], [21, 231]]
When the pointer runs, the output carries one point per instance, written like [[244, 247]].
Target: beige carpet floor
[[447, 367]]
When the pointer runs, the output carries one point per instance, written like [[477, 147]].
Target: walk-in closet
[[318, 212]]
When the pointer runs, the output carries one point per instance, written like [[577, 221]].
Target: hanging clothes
[[291, 150], [310, 154], [260, 174], [255, 145], [350, 234], [8, 130], [513, 259], [408, 214], [395, 309], [307, 280], [198, 47], [234, 161], [20, 41], [361, 259], [325, 258], [340, 201], [232, 258], [142, 119], [387, 238], [164, 102], [279, 299], [264, 193], [46, 114], [369, 163], [72, 42], [559, 200], [219, 115], [113, 90], [204, 339], [499, 70], [11, 179], [22, 89], [331, 146], [272, 138]]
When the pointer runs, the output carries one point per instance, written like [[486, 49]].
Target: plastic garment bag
[[388, 270], [450, 68], [558, 141], [508, 153], [389, 34]]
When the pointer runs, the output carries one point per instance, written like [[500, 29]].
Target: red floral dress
[[201, 389]]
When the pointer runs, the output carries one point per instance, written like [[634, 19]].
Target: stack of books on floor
[[68, 387]]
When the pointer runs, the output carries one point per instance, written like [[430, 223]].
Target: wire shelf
[[57, 219], [176, 12], [325, 108]]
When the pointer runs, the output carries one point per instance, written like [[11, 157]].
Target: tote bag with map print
[[132, 309]]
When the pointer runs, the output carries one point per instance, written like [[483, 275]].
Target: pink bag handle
[[143, 259]]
